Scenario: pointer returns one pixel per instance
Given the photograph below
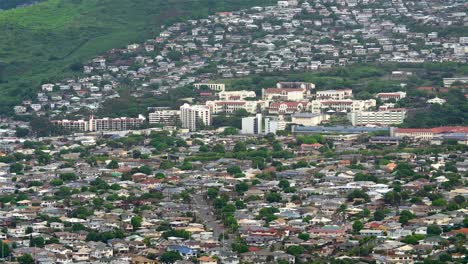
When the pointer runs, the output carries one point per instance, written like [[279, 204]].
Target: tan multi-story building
[[236, 95], [229, 107], [334, 94], [317, 106]]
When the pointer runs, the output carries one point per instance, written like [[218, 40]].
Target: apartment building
[[73, 125], [164, 116], [102, 124], [252, 125], [193, 116], [393, 116]]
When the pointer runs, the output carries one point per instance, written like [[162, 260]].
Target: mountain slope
[[41, 42]]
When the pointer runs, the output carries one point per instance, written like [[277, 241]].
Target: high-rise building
[[193, 116], [273, 124], [252, 125]]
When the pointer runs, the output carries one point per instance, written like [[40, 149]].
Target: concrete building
[[448, 82], [229, 107], [73, 125], [252, 125], [102, 124], [274, 124], [388, 96], [236, 95], [390, 117], [302, 85], [212, 86], [164, 116], [287, 94], [308, 119], [192, 116], [334, 94], [347, 105], [436, 100]]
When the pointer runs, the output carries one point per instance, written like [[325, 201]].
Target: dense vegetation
[[8, 4], [42, 42]]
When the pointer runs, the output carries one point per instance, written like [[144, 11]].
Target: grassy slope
[[40, 42]]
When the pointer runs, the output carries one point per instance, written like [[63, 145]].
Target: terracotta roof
[[436, 130]]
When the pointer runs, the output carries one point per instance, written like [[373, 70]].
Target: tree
[[268, 214], [392, 197], [357, 226], [22, 132], [379, 215], [36, 242], [16, 168], [146, 169], [165, 165], [295, 250], [405, 216], [242, 187], [212, 193], [240, 147], [170, 257], [230, 131], [4, 249], [283, 184], [239, 247], [304, 236], [234, 170], [412, 239], [113, 164], [358, 194], [434, 230], [439, 202], [273, 197], [218, 148], [459, 199], [136, 222], [25, 259]]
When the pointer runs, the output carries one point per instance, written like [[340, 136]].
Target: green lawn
[[39, 43]]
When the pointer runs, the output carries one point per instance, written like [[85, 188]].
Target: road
[[206, 214]]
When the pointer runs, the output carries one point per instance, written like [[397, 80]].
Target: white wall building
[[308, 119], [390, 117], [236, 95], [230, 107], [252, 125], [192, 116], [348, 105], [388, 96], [166, 117], [272, 125], [211, 86], [436, 100], [334, 94]]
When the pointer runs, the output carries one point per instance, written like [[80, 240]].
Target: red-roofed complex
[[428, 133]]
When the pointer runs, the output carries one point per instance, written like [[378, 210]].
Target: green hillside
[[41, 42]]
